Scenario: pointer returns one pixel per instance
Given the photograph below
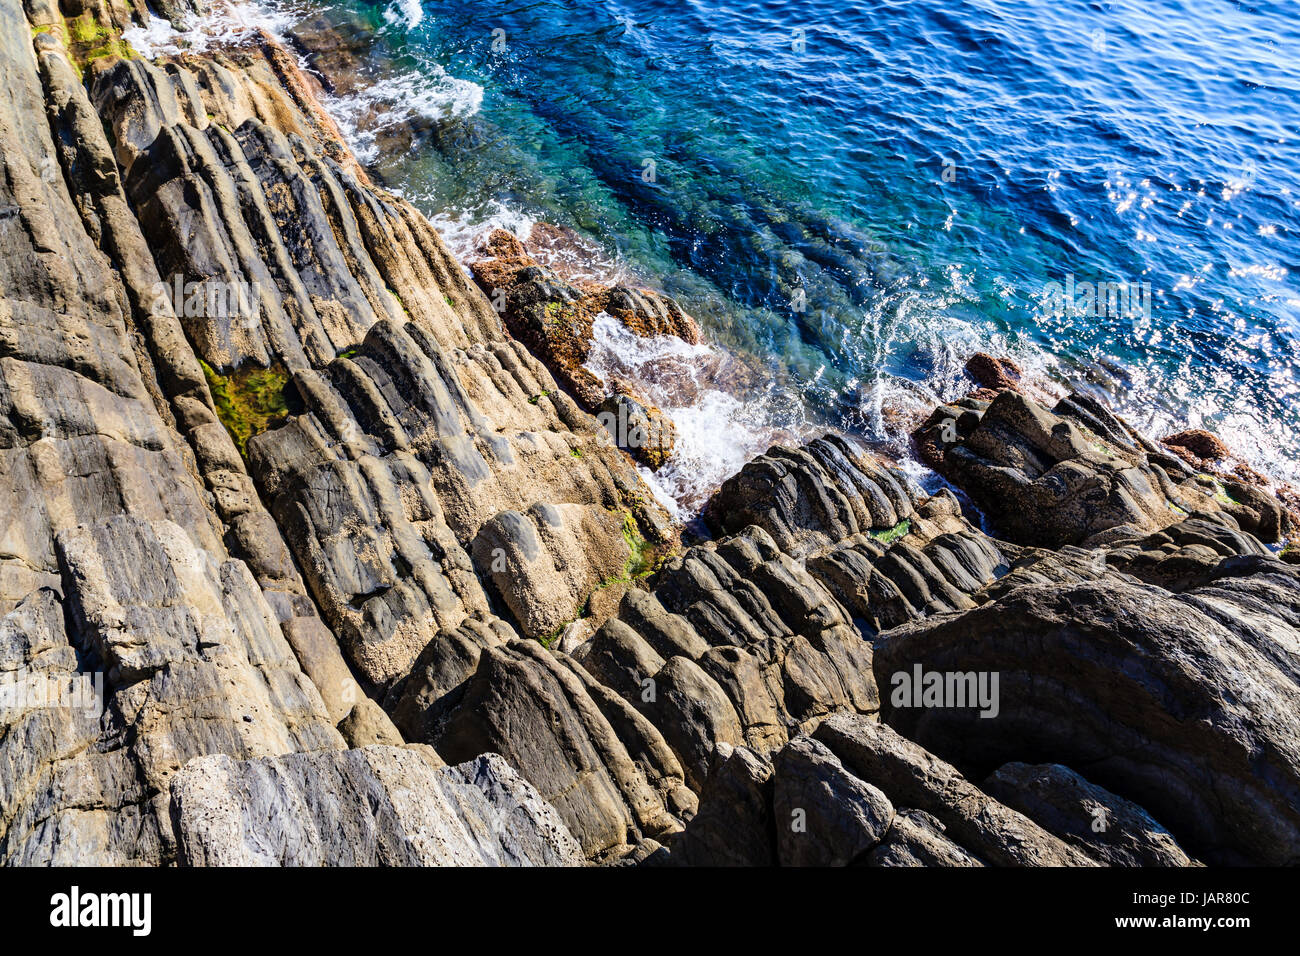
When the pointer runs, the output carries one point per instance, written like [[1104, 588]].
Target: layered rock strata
[[347, 545]]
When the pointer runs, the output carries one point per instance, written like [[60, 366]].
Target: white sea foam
[[462, 229], [154, 39], [926, 325], [407, 13], [224, 24], [716, 435], [717, 432], [397, 98]]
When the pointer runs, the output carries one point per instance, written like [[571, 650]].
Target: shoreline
[[378, 528], [888, 401], [578, 257]]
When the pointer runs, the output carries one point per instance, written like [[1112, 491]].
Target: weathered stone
[[1108, 828], [776, 643], [1185, 704], [367, 724], [1201, 444], [824, 815], [524, 703], [916, 838], [911, 777], [547, 562], [429, 484], [636, 426], [815, 496], [375, 806], [1068, 475], [734, 824], [993, 373]]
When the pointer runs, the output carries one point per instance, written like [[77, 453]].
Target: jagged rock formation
[[814, 496], [1073, 474], [327, 515], [855, 792], [113, 557], [736, 644], [1186, 704], [210, 639], [603, 766]]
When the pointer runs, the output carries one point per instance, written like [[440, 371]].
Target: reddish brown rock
[[993, 374], [553, 311], [1200, 443]]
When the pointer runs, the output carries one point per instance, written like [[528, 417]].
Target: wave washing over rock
[[382, 555]]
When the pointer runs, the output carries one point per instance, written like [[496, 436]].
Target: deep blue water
[[917, 171]]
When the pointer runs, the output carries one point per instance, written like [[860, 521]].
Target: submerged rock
[[555, 317], [993, 373], [1200, 444], [636, 426]]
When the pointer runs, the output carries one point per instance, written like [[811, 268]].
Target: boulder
[[916, 838], [824, 815], [367, 724], [734, 825], [1065, 476], [546, 563], [607, 771], [637, 427], [993, 373], [1201, 445], [1185, 704]]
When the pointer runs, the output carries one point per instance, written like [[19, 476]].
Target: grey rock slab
[[373, 806]]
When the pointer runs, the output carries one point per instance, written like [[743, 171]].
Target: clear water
[[853, 197]]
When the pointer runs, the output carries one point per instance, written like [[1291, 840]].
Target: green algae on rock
[[249, 401]]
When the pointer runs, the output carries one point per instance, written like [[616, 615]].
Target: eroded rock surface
[[1111, 829], [1072, 474], [360, 516], [376, 806], [1185, 704]]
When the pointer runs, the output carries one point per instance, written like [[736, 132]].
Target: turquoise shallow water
[[857, 196]]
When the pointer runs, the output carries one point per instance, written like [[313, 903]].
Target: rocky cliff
[[366, 580]]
